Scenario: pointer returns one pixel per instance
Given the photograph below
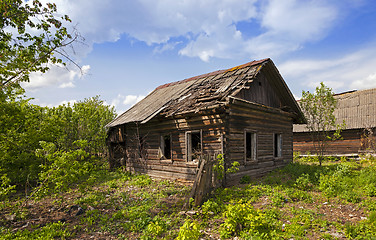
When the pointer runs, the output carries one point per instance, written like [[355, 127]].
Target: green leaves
[[27, 127], [61, 169], [189, 231], [241, 218], [39, 34], [319, 109]]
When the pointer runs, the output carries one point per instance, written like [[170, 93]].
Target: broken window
[[250, 145], [166, 146], [194, 145], [277, 145]]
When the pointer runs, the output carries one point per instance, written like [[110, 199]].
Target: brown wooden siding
[[178, 167], [352, 142], [265, 125], [261, 92]]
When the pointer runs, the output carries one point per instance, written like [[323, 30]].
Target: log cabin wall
[[265, 123], [358, 110], [150, 161], [352, 142]]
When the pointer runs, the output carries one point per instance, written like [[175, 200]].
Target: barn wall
[[352, 142], [265, 124], [178, 167]]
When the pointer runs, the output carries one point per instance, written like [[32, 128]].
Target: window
[[277, 145], [250, 146], [193, 145], [166, 146]]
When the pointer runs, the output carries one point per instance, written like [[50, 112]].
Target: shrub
[[189, 231], [157, 227], [210, 206], [61, 168], [5, 187], [241, 219], [303, 182]]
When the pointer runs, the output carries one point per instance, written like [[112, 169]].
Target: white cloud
[[289, 25], [365, 82], [122, 103], [58, 75], [132, 99], [166, 47], [209, 27], [350, 71]]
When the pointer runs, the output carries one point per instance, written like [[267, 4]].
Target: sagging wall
[[150, 159], [265, 124]]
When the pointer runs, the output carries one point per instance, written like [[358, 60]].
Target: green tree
[[318, 108], [21, 130], [31, 36], [24, 126]]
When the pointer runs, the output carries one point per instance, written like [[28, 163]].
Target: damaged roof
[[205, 91]]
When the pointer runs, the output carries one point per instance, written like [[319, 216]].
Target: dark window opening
[[194, 148], [196, 142], [250, 145], [166, 146]]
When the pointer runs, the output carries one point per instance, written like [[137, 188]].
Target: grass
[[301, 201]]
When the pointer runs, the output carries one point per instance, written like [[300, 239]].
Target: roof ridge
[[252, 63]]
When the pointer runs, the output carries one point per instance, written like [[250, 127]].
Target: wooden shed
[[245, 113], [358, 110]]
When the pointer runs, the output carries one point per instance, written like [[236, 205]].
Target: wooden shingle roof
[[356, 108], [203, 92]]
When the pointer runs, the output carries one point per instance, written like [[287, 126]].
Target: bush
[[62, 169], [189, 231], [209, 207], [5, 187], [303, 182], [241, 219]]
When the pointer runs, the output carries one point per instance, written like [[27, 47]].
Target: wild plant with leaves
[[318, 108]]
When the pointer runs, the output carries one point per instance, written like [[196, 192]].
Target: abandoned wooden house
[[245, 113], [358, 110]]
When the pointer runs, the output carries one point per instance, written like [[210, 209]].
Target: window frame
[[162, 146], [277, 145], [254, 146], [188, 145]]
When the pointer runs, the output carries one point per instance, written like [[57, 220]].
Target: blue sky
[[133, 46]]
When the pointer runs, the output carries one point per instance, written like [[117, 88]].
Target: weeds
[[300, 201]]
